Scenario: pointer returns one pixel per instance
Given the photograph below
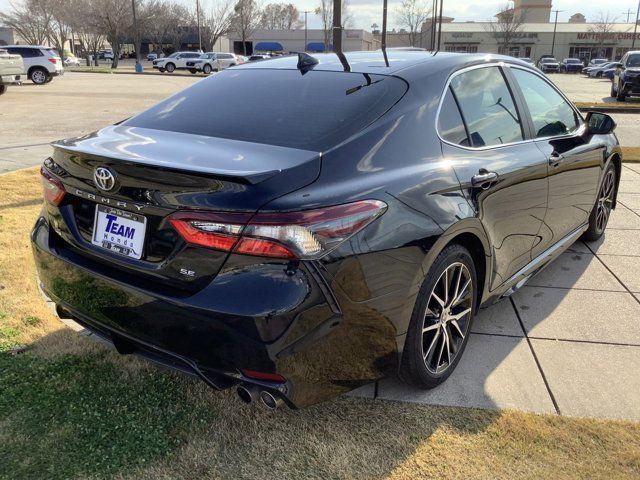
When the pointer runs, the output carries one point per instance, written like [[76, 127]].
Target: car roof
[[398, 62]]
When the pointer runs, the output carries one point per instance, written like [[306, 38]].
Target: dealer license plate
[[119, 231]]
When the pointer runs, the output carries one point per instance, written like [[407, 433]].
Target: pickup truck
[[11, 69]]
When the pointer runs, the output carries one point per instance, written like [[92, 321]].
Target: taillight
[[303, 235], [53, 60], [54, 191]]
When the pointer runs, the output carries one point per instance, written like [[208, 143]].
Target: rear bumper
[[263, 317], [10, 79]]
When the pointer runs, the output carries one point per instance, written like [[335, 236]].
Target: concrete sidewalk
[[567, 343]]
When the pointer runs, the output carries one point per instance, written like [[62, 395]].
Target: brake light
[[303, 235], [54, 191], [53, 60]]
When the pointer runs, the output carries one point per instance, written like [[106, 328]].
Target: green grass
[[79, 416]]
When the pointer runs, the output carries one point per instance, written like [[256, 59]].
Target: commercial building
[[285, 41]]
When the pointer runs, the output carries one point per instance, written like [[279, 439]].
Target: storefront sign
[[597, 36]]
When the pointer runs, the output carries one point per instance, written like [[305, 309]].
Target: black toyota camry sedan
[[298, 227]]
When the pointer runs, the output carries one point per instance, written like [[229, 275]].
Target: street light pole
[[136, 36], [635, 27], [383, 44], [440, 24], [305, 30], [555, 27]]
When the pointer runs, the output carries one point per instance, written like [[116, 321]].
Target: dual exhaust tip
[[249, 394]]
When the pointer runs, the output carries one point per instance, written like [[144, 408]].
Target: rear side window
[[314, 111], [488, 107], [450, 124], [551, 114]]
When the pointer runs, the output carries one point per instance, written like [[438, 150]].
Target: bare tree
[[31, 19], [325, 11], [411, 14], [603, 27], [217, 23], [508, 27], [86, 32], [111, 18], [245, 20], [183, 22], [61, 19], [280, 16]]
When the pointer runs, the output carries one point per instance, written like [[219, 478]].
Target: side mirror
[[600, 123]]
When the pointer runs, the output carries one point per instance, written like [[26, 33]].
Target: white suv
[[41, 63], [175, 61], [215, 61]]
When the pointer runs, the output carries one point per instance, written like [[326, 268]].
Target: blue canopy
[[318, 47], [268, 47]]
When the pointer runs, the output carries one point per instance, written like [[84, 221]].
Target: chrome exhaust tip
[[270, 401], [247, 394]]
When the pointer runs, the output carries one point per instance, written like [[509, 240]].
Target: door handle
[[555, 159], [483, 178]]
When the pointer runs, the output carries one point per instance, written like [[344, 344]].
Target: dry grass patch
[[71, 409]]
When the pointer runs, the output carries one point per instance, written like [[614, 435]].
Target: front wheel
[[599, 216], [193, 70], [613, 90], [441, 320], [620, 96], [206, 69], [3, 89], [161, 70], [170, 67]]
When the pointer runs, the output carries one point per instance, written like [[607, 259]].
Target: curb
[[136, 73]]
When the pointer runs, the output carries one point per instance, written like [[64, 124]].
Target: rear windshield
[[314, 111]]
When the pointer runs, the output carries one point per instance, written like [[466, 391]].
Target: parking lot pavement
[[568, 342], [77, 103]]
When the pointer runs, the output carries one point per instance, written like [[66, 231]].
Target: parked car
[[626, 80], [258, 57], [152, 56], [71, 60], [571, 65], [321, 230], [175, 61], [11, 69], [598, 72], [549, 64], [41, 63], [609, 73], [214, 62], [528, 61], [598, 61]]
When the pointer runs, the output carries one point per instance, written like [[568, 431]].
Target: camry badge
[[105, 180]]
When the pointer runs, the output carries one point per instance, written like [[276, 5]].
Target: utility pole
[[198, 19], [136, 37], [440, 25], [383, 44], [434, 15], [305, 30], [555, 27], [628, 14], [337, 26], [635, 27]]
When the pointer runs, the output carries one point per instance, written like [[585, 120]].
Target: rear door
[[503, 175], [574, 159]]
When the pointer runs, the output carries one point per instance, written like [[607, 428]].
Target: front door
[[574, 160]]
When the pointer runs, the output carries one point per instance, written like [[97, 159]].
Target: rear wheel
[[39, 76], [602, 209], [441, 321], [3, 88]]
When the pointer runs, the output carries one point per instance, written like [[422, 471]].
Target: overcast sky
[[367, 12]]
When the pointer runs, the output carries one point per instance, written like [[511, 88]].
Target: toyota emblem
[[104, 179]]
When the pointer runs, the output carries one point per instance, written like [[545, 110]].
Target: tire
[[3, 89], [169, 67], [620, 97], [39, 76], [599, 75], [206, 69], [434, 330], [161, 70], [599, 216], [193, 70], [613, 91], [49, 78]]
